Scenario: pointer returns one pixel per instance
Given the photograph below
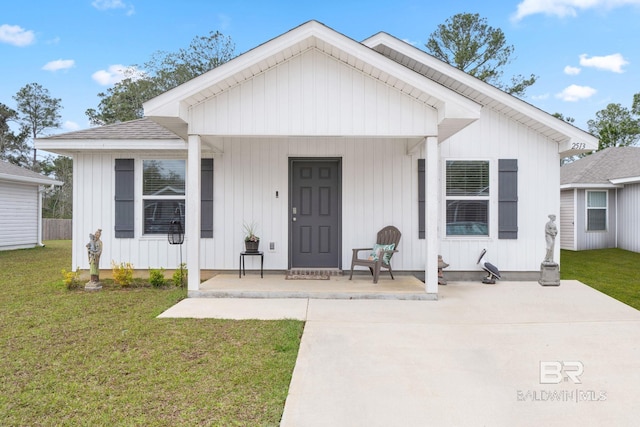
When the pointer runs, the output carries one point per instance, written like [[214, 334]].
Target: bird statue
[[492, 271]]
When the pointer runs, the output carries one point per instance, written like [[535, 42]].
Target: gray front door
[[315, 213]]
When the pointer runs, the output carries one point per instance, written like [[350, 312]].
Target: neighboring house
[[21, 206], [322, 141], [600, 201]]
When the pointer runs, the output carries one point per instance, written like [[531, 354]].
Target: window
[[163, 194], [467, 198], [596, 210]]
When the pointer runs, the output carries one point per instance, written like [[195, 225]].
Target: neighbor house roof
[[610, 167], [10, 172]]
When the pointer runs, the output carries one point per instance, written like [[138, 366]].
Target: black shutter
[[507, 198], [421, 199], [124, 199], [206, 198]]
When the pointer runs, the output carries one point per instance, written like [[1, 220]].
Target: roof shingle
[[603, 166], [144, 128]]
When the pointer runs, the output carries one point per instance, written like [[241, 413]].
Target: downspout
[[616, 237], [41, 191]]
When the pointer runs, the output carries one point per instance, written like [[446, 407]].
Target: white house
[[600, 201], [21, 206], [322, 141]]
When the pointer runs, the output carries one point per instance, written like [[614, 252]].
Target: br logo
[[554, 372]]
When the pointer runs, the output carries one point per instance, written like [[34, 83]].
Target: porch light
[[176, 233], [176, 237]]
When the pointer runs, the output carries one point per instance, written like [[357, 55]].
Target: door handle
[[293, 219]]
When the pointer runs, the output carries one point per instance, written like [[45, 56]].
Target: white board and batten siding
[[567, 219], [94, 184], [18, 215], [379, 187], [496, 137], [313, 94], [629, 217]]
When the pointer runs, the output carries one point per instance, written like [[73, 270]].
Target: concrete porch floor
[[274, 285]]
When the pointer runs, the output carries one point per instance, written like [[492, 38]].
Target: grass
[[76, 358], [615, 272]]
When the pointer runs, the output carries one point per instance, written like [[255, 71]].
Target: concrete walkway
[[480, 356]]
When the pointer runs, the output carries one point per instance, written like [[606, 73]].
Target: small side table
[[241, 271]]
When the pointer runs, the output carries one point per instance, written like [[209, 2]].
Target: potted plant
[[251, 241]]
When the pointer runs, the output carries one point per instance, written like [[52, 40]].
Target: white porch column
[[432, 160], [192, 226]]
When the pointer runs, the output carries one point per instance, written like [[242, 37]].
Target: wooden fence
[[56, 229]]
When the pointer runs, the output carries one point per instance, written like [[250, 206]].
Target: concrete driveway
[[511, 354]]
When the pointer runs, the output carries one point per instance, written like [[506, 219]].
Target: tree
[[123, 101], [468, 43], [37, 112], [564, 118], [617, 126], [58, 202], [163, 72], [13, 146]]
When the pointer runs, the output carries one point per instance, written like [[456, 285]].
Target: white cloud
[[541, 97], [60, 64], [562, 8], [16, 35], [572, 71], [113, 4], [70, 126], [116, 73], [613, 62], [112, 75], [575, 93]]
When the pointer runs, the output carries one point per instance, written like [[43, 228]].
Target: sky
[[585, 52]]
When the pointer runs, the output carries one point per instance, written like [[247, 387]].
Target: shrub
[[71, 279], [180, 275], [122, 273], [156, 277]]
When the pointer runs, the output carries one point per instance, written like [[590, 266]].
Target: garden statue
[[549, 269], [550, 231], [94, 250]]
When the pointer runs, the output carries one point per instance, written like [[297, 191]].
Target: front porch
[[274, 285]]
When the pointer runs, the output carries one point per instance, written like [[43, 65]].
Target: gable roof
[[10, 172], [171, 109], [568, 136], [610, 167]]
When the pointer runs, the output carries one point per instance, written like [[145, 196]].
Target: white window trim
[[587, 208], [140, 191], [490, 199]]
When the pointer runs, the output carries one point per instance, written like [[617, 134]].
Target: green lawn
[[615, 272], [79, 358]]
